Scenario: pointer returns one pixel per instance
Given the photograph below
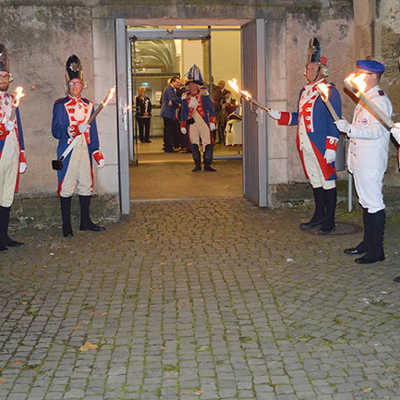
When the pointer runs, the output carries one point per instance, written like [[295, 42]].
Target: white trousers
[[369, 184], [199, 130], [9, 164], [78, 174]]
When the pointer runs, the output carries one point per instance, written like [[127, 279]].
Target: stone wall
[[42, 34]]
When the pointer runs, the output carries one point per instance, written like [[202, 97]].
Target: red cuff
[[183, 124], [22, 157], [331, 143], [213, 120], [98, 155], [285, 118]]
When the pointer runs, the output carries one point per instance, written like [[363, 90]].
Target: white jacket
[[369, 138]]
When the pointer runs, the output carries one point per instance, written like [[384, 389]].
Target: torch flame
[[234, 85], [247, 95], [19, 93], [110, 95], [357, 81]]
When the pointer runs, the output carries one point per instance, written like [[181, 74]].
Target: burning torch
[[323, 90], [246, 95], [108, 98], [19, 93], [356, 84]]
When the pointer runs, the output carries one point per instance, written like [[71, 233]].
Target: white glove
[[193, 103], [83, 127], [22, 167], [183, 131], [275, 114], [9, 125], [343, 125], [101, 163], [396, 131], [330, 155], [212, 126]]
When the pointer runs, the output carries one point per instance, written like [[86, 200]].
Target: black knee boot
[[66, 215], [9, 242], [319, 212], [3, 228], [328, 225], [196, 158], [374, 242], [86, 223], [208, 157], [361, 248]]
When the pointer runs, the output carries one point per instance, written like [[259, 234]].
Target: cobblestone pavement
[[205, 299]]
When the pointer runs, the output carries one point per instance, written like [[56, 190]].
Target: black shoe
[[67, 231], [92, 227], [305, 226], [367, 260], [196, 169], [148, 141], [327, 231], [397, 279], [209, 168], [13, 243], [352, 251]]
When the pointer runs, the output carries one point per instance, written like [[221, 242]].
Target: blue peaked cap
[[194, 75], [371, 66]]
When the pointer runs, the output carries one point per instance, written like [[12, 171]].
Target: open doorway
[[257, 56], [157, 54]]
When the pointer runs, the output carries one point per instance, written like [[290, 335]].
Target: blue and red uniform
[[314, 119], [65, 129]]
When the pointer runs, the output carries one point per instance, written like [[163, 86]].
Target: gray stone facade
[[40, 36]]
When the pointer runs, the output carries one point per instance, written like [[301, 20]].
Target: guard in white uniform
[[367, 161], [12, 158]]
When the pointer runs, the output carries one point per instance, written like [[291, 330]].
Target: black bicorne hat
[[74, 68], [314, 51], [3, 59]]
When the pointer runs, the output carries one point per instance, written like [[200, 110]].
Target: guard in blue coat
[[78, 143], [12, 154], [317, 139]]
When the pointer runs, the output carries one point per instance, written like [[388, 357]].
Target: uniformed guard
[[367, 161], [317, 139], [12, 155], [78, 143], [198, 120]]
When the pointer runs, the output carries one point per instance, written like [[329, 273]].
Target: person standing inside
[[170, 102], [317, 139], [143, 115], [12, 152], [367, 160], [198, 120], [70, 126]]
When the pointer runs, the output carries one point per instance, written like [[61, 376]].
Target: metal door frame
[[134, 35], [262, 199]]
